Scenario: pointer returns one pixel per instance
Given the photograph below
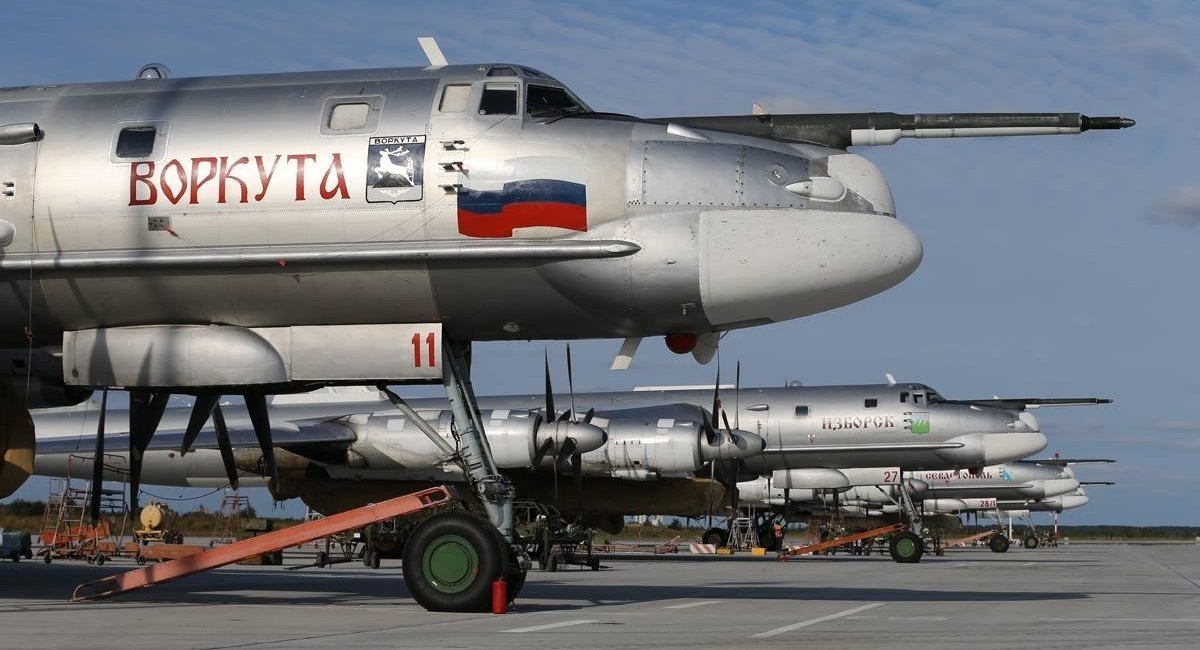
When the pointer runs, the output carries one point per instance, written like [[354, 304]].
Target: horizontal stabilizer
[[1097, 483]]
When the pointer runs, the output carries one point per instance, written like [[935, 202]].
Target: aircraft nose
[[1073, 501], [979, 449], [1057, 486], [1007, 447], [773, 265]]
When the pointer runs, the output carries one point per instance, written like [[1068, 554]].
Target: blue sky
[[1053, 266]]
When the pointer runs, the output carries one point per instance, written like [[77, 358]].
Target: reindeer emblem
[[396, 163]]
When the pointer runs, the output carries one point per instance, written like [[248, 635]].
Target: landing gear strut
[[907, 547], [452, 558]]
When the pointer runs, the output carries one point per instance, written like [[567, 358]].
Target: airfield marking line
[[690, 605], [1121, 620], [813, 621], [549, 626]]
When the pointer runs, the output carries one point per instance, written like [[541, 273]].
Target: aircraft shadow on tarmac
[[314, 587]]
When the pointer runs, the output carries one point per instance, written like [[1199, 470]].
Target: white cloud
[[1179, 209]]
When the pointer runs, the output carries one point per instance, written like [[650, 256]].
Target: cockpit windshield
[[934, 397], [550, 101]]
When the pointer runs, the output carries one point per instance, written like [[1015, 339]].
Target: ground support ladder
[[267, 543], [839, 541]]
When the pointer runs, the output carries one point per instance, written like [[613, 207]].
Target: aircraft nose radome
[[1007, 447], [1073, 501], [775, 265]]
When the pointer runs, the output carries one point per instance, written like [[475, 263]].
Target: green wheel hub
[[450, 563], [906, 547]]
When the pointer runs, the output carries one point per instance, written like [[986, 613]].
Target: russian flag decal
[[522, 204]]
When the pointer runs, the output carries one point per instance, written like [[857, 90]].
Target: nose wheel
[[906, 547], [998, 543], [451, 561]]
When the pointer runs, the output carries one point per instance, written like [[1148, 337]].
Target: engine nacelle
[[391, 441], [38, 378], [648, 448]]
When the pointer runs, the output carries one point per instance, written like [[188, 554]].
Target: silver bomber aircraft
[[264, 234], [340, 454]]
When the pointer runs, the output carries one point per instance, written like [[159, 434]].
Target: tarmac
[[1089, 596]]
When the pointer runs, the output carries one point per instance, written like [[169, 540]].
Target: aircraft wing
[[1022, 403], [842, 130], [681, 412], [289, 435]]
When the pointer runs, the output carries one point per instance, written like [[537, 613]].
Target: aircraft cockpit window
[[548, 101], [530, 72], [801, 411], [935, 397], [502, 71], [454, 98], [349, 116], [918, 399], [903, 396], [870, 403], [136, 141], [499, 99]]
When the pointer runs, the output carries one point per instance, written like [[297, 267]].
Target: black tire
[[594, 563], [451, 561], [322, 560], [376, 556], [100, 560], [1030, 541], [48, 559], [715, 536], [140, 559], [16, 557], [906, 547], [552, 565], [998, 543]]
